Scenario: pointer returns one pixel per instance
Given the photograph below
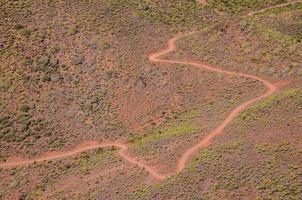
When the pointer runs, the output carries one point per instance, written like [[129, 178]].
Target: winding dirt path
[[187, 155], [272, 7], [87, 147]]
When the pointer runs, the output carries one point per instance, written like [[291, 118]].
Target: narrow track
[[189, 153], [272, 7], [87, 147]]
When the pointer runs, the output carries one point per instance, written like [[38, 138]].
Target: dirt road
[[189, 153], [272, 7]]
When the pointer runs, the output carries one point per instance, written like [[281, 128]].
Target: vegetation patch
[[47, 174], [282, 100], [241, 6], [179, 124], [226, 168], [167, 133], [177, 13]]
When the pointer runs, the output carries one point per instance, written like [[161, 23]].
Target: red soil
[[187, 155], [272, 7]]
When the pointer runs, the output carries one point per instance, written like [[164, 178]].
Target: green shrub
[[24, 108], [46, 77], [27, 61], [25, 32], [19, 26], [73, 30]]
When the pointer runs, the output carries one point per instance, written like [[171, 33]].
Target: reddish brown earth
[[202, 2], [174, 120], [187, 155], [272, 7]]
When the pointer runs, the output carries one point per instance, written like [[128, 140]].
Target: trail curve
[[83, 148], [189, 153], [186, 156], [272, 7]]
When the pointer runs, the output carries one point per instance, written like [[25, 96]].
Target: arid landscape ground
[[139, 99]]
